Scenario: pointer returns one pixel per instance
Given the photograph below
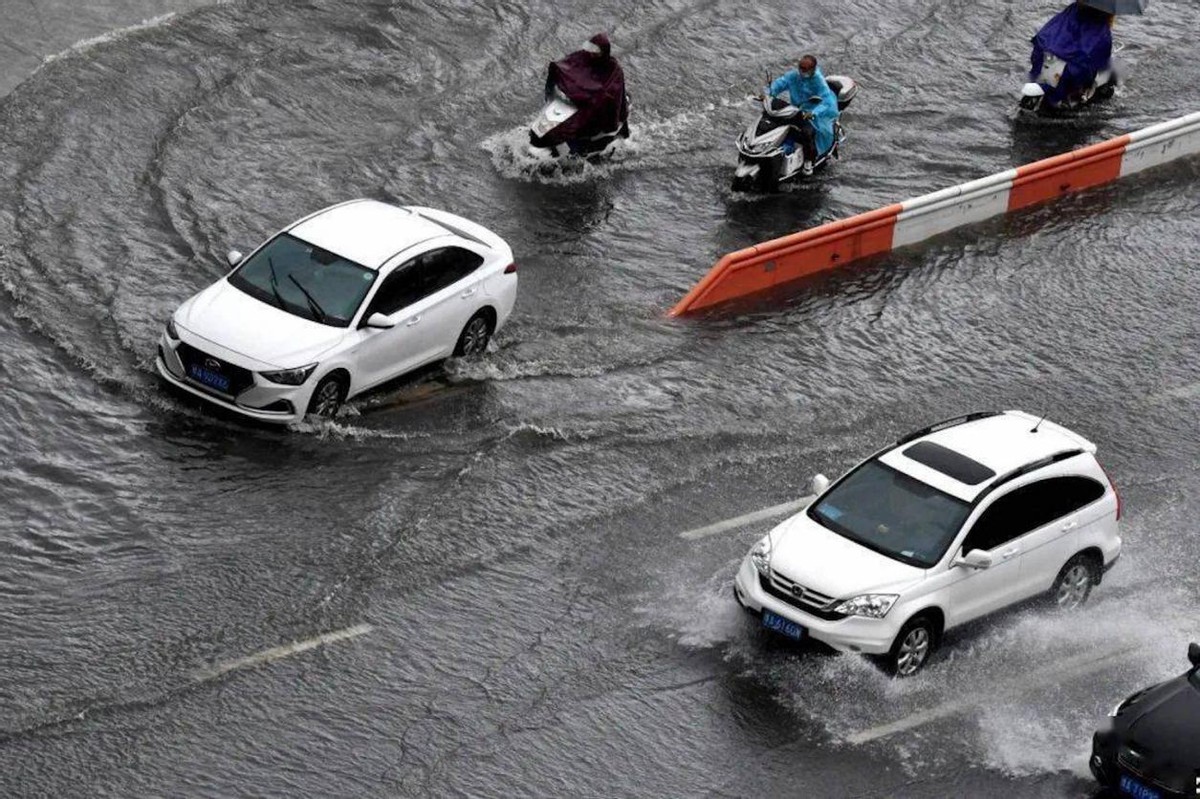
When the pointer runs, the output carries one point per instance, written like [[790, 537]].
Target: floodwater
[[508, 529]]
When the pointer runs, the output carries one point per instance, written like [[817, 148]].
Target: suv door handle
[[414, 321], [468, 293]]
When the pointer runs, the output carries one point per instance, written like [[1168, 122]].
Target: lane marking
[[786, 509], [281, 652], [1072, 668]]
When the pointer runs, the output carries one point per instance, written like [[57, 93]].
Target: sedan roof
[[367, 232]]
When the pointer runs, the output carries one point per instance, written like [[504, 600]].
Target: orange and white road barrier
[[764, 266]]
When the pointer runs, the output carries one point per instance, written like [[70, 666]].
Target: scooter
[[557, 111], [1033, 95], [764, 163]]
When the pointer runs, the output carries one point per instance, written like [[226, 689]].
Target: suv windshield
[[892, 513], [304, 280]]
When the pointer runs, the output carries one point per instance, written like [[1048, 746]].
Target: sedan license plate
[[773, 621], [209, 378], [1131, 787]]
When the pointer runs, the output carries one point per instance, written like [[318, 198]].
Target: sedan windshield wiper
[[312, 303], [275, 285]]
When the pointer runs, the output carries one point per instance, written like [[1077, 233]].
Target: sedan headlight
[[760, 556], [872, 606], [172, 332], [1117, 708], [290, 377]]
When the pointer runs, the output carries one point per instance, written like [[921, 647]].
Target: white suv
[[337, 303], [946, 525]]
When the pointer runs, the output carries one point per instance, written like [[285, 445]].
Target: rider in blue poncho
[[1082, 37], [810, 93]]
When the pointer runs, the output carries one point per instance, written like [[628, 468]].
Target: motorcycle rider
[[593, 80], [1082, 37], [809, 92]]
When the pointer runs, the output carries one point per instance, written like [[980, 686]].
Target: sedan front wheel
[[327, 397]]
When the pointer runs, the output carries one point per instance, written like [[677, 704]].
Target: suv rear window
[[950, 463]]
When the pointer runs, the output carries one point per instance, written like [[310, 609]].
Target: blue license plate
[[1132, 787], [209, 378], [773, 621]]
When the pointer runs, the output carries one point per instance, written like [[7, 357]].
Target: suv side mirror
[[975, 559], [818, 484], [233, 257], [379, 322], [1194, 654]]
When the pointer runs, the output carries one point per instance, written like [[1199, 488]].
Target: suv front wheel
[[913, 647]]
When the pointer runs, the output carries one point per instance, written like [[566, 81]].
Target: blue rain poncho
[[824, 109], [1082, 37]]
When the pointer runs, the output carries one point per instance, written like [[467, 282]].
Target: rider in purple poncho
[[1081, 36], [593, 80]]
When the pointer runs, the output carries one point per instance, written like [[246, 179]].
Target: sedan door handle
[[1071, 525], [1009, 554], [468, 293], [416, 320]]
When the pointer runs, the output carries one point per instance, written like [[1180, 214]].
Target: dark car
[[1152, 749]]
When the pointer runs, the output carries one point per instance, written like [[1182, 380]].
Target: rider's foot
[[806, 168]]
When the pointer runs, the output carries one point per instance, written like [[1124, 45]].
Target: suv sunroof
[[949, 463]]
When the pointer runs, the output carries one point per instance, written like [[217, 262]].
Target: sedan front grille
[[239, 378], [811, 602]]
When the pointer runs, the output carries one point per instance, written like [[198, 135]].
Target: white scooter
[[763, 162], [558, 110], [1033, 95]]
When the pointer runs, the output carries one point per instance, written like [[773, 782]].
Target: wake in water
[[1022, 692], [652, 141]]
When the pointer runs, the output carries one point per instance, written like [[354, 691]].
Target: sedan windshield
[[304, 280], [893, 514]]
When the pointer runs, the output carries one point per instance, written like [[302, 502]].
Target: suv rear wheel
[[1074, 583]]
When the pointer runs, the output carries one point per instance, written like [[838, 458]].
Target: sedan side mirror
[[233, 257], [975, 559], [379, 322], [818, 484], [1194, 654]]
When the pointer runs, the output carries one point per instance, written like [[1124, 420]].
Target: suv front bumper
[[850, 634]]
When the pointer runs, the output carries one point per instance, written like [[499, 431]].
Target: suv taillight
[[511, 269], [1115, 491]]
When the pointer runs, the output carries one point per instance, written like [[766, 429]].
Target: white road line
[[280, 652], [772, 512], [1070, 669]]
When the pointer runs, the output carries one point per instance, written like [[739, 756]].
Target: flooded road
[[495, 546]]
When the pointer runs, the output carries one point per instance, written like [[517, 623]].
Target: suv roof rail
[[954, 421], [1033, 466]]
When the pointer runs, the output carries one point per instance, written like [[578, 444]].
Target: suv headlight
[[290, 377], [760, 556], [172, 332], [872, 606]]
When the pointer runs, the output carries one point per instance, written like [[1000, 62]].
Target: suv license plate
[[1131, 787], [773, 621]]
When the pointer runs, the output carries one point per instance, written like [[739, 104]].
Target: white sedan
[[337, 303]]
